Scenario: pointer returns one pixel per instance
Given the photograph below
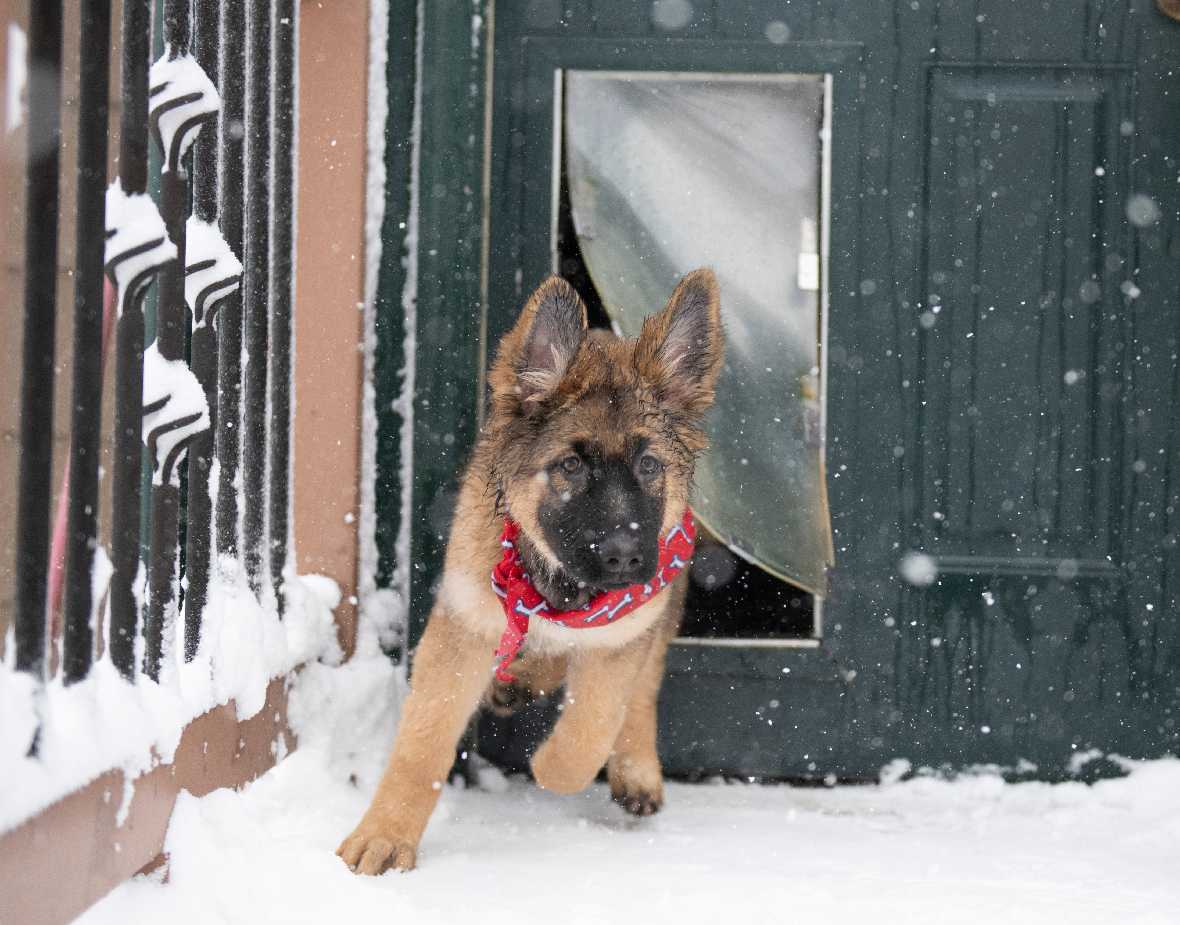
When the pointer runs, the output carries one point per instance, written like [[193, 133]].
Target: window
[[664, 172]]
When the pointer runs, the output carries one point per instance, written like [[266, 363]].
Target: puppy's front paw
[[641, 803], [375, 847], [637, 786], [559, 771]]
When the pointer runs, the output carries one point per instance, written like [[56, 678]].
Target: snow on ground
[[927, 850]]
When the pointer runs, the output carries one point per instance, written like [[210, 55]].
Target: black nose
[[620, 554]]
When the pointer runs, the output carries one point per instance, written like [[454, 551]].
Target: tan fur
[[609, 390], [636, 782]]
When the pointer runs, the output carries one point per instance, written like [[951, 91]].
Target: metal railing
[[209, 398]]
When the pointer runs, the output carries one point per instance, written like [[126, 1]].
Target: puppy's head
[[597, 437]]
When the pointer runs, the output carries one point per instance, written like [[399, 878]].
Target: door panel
[[524, 127], [1018, 162], [1022, 313]]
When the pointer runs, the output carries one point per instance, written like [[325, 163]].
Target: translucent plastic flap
[[668, 172]]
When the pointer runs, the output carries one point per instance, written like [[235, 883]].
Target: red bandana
[[522, 601]]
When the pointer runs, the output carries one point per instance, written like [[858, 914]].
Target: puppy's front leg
[[636, 780], [451, 670], [598, 688]]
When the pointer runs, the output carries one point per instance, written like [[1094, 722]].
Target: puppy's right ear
[[535, 354], [680, 350]]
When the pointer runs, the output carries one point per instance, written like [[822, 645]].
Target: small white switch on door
[[808, 276]]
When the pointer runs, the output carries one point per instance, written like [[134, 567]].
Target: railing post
[[159, 400], [227, 440], [255, 288], [86, 412], [281, 278], [165, 497], [182, 101], [36, 419], [126, 583], [202, 351]]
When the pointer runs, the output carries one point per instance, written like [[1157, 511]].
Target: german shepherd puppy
[[589, 447]]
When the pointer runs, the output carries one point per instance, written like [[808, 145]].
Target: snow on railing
[[150, 639], [174, 411], [213, 272]]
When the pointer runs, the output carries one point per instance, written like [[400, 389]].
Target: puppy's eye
[[649, 465], [571, 464]]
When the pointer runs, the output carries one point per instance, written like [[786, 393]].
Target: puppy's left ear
[[535, 354], [681, 349]]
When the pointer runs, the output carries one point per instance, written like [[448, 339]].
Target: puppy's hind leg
[[451, 669], [536, 676]]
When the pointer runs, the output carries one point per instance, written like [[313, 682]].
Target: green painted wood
[[389, 349], [1054, 624], [520, 256], [449, 349], [441, 58], [522, 143]]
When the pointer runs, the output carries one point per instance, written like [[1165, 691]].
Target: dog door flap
[[668, 172]]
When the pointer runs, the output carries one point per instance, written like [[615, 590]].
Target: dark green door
[[1002, 443]]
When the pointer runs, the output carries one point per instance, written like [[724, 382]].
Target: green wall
[[988, 160]]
